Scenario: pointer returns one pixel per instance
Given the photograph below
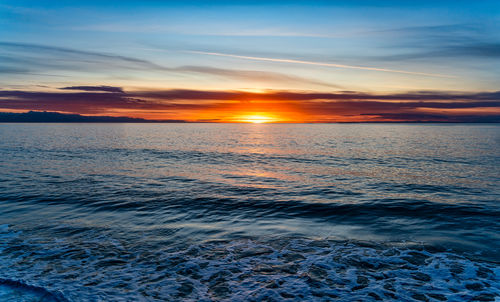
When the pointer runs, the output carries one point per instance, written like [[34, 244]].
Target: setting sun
[[256, 119]]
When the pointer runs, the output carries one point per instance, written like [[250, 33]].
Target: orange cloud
[[267, 106]]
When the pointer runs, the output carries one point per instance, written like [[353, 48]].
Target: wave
[[137, 199], [275, 269], [14, 290]]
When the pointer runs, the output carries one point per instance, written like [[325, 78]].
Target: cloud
[[81, 56], [201, 30], [184, 94], [443, 41], [484, 50], [6, 69], [424, 117], [325, 64], [28, 58], [78, 102], [254, 75], [437, 31], [94, 88], [382, 107], [316, 105]]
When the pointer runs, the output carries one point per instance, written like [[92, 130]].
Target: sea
[[250, 212]]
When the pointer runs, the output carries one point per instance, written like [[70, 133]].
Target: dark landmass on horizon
[[56, 117]]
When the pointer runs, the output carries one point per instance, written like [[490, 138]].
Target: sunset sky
[[253, 61]]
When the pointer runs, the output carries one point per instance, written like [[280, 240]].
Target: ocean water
[[249, 212]]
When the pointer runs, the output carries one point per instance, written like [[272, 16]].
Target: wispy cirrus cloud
[[201, 30], [75, 54], [435, 42], [254, 75], [483, 50], [324, 64], [29, 58]]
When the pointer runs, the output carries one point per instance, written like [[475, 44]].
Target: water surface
[[206, 212]]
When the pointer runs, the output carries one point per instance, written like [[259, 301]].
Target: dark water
[[201, 212]]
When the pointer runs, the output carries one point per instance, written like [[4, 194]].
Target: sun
[[256, 119]]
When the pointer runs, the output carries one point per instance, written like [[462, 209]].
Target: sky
[[253, 61]]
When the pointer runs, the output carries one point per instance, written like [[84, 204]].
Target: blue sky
[[326, 46]]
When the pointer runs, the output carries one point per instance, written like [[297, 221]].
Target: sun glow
[[254, 112], [256, 119]]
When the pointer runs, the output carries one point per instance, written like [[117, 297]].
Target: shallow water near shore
[[237, 212]]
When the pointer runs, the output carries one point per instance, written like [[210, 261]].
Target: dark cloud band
[[99, 99]]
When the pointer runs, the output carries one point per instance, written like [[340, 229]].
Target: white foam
[[242, 270]]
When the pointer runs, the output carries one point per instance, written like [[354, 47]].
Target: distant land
[[56, 117]]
